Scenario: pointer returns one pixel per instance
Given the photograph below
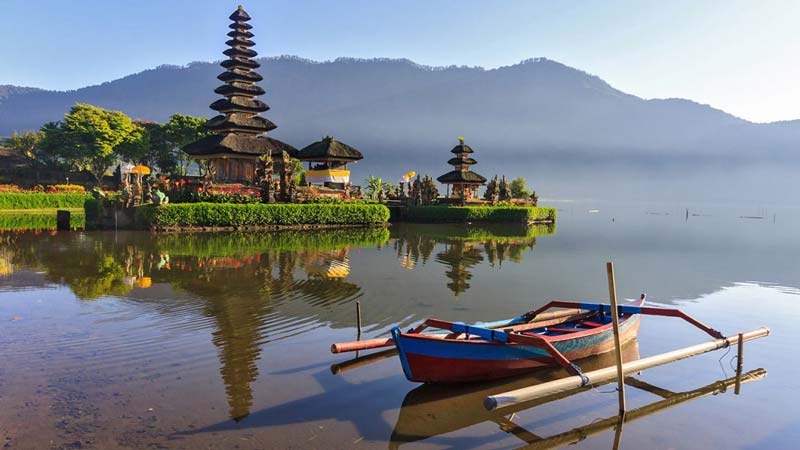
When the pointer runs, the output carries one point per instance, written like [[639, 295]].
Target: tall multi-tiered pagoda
[[464, 182], [239, 149]]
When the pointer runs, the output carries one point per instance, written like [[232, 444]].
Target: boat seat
[[563, 329]]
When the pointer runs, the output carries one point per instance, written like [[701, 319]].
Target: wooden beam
[[612, 295]]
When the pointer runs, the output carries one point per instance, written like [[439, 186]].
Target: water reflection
[[465, 246], [255, 288]]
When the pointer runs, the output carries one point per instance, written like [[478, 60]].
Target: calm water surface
[[132, 340]]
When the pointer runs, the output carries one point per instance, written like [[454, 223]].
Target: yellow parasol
[[144, 282], [141, 170], [409, 175]]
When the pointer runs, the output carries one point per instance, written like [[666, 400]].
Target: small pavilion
[[239, 151], [327, 163], [465, 183]]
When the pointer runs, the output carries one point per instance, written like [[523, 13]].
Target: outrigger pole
[[604, 375]]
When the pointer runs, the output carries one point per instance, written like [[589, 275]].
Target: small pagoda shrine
[[327, 163], [465, 183], [239, 151]]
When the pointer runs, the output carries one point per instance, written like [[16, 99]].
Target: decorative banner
[[327, 176]]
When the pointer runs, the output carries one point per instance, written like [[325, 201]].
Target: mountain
[[7, 90], [397, 111]]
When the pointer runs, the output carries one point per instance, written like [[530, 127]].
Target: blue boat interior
[[574, 326]]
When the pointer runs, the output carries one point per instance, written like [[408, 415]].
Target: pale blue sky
[[742, 56]]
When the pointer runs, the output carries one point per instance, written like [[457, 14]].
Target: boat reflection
[[433, 409]]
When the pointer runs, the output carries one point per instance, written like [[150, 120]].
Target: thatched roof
[[240, 34], [234, 52], [240, 26], [240, 123], [243, 41], [240, 15], [462, 148], [234, 104], [329, 149], [247, 90], [239, 76], [454, 161], [238, 144], [240, 64], [461, 176]]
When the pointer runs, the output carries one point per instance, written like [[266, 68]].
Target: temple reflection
[[465, 246]]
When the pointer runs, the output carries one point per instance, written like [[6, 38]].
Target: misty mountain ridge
[[395, 109]]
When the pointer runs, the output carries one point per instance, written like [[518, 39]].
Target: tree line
[[93, 139]]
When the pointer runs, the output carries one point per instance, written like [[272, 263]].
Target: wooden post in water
[[739, 363], [358, 319], [612, 294], [62, 220]]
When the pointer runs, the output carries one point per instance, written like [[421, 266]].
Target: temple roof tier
[[240, 76], [329, 149], [465, 161], [236, 144], [240, 42], [238, 123], [245, 90], [240, 64], [240, 26], [462, 148], [240, 15], [462, 176], [234, 52], [243, 34], [239, 104]]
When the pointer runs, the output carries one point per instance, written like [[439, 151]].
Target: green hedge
[[221, 214], [41, 200], [519, 214], [38, 220]]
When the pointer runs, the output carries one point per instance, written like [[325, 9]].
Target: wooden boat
[[473, 353]]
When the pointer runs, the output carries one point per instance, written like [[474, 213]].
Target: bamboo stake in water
[[739, 363], [358, 319], [612, 293]]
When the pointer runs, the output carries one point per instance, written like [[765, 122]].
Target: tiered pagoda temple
[[239, 150], [465, 183]]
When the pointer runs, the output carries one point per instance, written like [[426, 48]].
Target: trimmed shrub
[[39, 200], [222, 214], [519, 214], [37, 220]]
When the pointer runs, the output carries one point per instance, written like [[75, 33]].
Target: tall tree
[[182, 130], [148, 145], [28, 145], [518, 189], [89, 136]]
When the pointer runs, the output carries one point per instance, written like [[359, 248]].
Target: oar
[[353, 346]]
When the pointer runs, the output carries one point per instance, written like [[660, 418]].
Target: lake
[[133, 340]]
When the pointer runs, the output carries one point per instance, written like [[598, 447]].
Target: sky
[[741, 56]]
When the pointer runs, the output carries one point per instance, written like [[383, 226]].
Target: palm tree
[[374, 185]]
